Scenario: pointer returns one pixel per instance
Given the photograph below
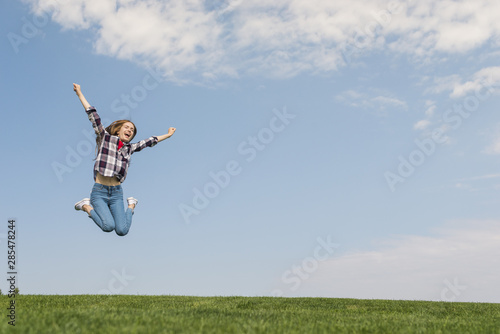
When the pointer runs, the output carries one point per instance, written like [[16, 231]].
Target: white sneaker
[[79, 205], [132, 201]]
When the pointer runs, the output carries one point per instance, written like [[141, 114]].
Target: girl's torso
[[107, 180]]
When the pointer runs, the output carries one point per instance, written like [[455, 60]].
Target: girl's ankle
[[87, 209]]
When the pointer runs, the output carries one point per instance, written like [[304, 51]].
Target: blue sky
[[346, 149]]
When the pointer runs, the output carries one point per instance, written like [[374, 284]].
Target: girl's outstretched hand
[[171, 131], [77, 89]]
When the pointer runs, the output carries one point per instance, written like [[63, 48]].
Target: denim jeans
[[109, 213]]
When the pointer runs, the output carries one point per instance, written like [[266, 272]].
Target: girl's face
[[126, 132]]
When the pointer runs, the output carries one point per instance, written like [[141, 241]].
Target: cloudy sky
[[324, 148]]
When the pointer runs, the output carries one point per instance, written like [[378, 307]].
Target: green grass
[[179, 314]]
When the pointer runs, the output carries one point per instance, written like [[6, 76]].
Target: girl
[[105, 205]]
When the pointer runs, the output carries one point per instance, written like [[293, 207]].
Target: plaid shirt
[[112, 161]]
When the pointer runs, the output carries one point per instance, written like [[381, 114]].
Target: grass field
[[179, 314]]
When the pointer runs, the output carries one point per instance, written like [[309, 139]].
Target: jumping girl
[[105, 205]]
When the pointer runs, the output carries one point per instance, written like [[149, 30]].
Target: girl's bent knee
[[121, 233], [107, 227]]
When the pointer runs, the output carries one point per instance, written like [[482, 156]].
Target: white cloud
[[189, 39], [486, 77], [492, 137], [380, 103], [431, 108], [493, 148], [422, 125], [462, 186], [426, 123], [482, 177], [443, 84], [445, 26], [480, 183], [354, 98], [417, 267], [385, 102]]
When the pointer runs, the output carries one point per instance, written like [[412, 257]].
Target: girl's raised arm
[[82, 98], [91, 112], [152, 141], [168, 135]]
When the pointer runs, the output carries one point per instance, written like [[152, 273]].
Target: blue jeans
[[109, 213]]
